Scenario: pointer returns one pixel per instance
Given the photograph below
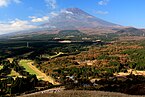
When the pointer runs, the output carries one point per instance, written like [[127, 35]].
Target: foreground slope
[[79, 93]]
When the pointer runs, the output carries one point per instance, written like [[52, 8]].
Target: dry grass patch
[[1, 67], [14, 73], [81, 93]]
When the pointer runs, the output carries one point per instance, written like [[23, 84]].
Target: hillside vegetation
[[82, 64]]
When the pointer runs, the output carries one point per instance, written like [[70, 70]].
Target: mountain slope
[[73, 18], [68, 19]]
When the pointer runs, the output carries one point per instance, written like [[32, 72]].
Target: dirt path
[[41, 75], [52, 90]]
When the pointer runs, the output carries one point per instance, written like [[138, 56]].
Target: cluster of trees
[[7, 68], [81, 73], [119, 58], [86, 72], [54, 48], [126, 84], [131, 84], [137, 58], [108, 60], [13, 85]]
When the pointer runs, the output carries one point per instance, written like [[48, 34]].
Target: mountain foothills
[[73, 51]]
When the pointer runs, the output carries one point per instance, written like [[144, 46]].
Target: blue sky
[[18, 15]]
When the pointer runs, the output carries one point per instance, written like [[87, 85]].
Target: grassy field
[[81, 93], [27, 65]]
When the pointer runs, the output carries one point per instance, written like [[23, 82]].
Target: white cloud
[[53, 14], [103, 2], [51, 3], [42, 19], [16, 25], [56, 13], [102, 12], [32, 17], [5, 3], [65, 11]]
